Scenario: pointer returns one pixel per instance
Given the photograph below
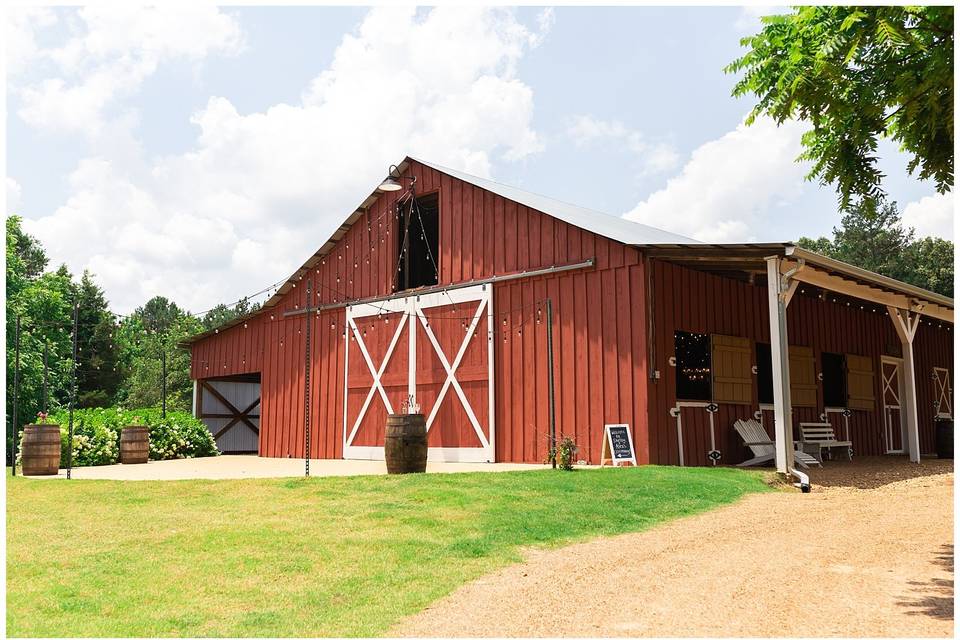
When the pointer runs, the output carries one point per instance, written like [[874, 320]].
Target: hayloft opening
[[418, 245]]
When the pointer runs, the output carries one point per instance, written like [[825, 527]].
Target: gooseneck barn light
[[392, 181]]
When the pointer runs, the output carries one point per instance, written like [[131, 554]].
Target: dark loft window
[[834, 379], [693, 365], [418, 246], [764, 373]]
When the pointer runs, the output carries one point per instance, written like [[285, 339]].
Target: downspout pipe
[[803, 480]]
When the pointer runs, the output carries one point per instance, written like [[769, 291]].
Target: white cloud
[[20, 27], [730, 184], [259, 192], [749, 18], [118, 48], [655, 157], [13, 195], [932, 216]]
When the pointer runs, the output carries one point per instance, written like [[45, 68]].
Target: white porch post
[[194, 410], [906, 326], [782, 421]]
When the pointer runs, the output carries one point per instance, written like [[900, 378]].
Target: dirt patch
[[844, 561]]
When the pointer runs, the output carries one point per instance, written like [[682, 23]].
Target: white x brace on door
[[435, 347]]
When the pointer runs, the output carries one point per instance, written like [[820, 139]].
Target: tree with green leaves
[[876, 240], [221, 314], [43, 303], [858, 74], [98, 366], [151, 332]]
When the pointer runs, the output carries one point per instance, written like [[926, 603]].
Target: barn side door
[[894, 419], [435, 347]]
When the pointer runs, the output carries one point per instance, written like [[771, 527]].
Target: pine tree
[[98, 375]]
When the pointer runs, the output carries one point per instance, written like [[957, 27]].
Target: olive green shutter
[[803, 377], [732, 373], [860, 392]]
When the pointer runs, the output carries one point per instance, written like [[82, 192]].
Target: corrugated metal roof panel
[[603, 224]]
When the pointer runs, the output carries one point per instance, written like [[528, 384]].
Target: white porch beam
[[906, 325], [782, 420], [825, 280]]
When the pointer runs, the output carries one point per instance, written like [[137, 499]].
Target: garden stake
[[46, 353], [553, 423], [306, 391], [73, 392], [163, 369], [16, 393]]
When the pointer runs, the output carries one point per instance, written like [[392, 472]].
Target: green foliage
[[875, 239], [858, 74], [221, 314], [96, 435], [98, 373], [150, 334], [43, 303], [565, 452]]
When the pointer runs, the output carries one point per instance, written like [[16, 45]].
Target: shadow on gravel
[[871, 472], [934, 597]]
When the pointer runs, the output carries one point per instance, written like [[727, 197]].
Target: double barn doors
[[435, 349]]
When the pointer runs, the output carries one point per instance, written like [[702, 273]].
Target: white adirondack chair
[[761, 446]]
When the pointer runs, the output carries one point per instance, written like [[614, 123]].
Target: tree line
[[119, 358]]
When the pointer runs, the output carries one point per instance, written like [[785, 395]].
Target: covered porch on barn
[[874, 380]]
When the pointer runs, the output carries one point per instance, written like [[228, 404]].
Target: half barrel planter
[[40, 452], [134, 445], [405, 443]]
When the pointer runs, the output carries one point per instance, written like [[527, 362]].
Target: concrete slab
[[238, 467]]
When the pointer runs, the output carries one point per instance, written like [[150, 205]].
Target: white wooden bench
[[821, 436]]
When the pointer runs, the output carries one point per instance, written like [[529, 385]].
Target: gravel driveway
[[864, 557]]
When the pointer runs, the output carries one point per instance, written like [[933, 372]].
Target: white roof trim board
[[602, 224]]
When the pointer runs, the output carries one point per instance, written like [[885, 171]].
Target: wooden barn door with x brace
[[436, 348]]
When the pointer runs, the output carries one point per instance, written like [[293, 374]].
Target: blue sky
[[207, 154]]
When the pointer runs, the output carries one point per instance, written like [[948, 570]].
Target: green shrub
[[96, 435]]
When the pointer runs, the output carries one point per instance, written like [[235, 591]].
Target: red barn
[[436, 290]]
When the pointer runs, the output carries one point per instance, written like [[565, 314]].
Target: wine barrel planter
[[40, 455], [134, 445], [944, 439], [405, 444]]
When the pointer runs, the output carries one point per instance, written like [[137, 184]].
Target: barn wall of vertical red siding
[[688, 300], [599, 331]]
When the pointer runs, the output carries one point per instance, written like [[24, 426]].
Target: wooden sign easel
[[617, 445]]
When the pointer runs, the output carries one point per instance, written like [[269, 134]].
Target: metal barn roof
[[602, 224]]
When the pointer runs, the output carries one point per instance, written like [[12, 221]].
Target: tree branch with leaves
[[857, 74]]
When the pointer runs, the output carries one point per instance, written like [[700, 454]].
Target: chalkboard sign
[[617, 445]]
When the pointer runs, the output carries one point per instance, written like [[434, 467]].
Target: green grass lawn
[[305, 557]]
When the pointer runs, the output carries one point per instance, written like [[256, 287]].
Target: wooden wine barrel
[[134, 445], [405, 443], [41, 450]]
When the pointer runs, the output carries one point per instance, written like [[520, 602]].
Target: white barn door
[[435, 348]]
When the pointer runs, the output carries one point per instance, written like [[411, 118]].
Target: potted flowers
[[40, 448], [134, 443]]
